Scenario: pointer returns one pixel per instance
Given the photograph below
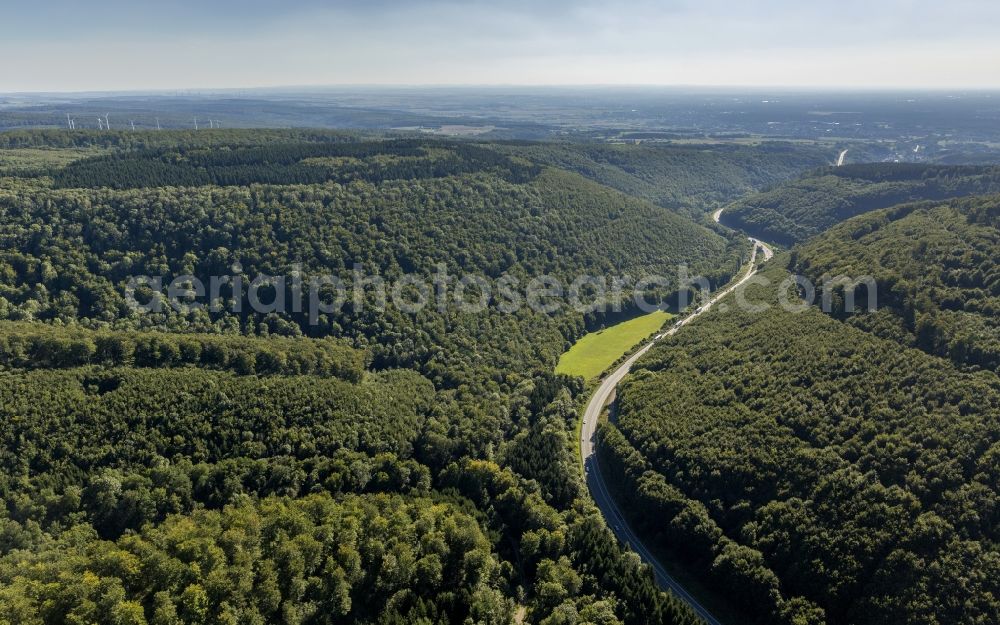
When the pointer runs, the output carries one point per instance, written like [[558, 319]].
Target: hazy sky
[[62, 45]]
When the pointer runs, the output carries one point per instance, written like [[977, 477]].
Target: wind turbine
[[196, 123], [106, 122], [100, 123], [69, 122], [157, 123], [131, 121]]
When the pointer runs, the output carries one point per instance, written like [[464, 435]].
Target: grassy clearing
[[21, 161], [597, 351]]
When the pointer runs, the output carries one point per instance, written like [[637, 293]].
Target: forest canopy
[[218, 465]]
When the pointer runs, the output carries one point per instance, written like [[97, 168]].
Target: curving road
[[592, 471]]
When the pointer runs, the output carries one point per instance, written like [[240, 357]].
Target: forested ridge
[[124, 140], [689, 179], [215, 466], [819, 473], [294, 163], [936, 273], [797, 210]]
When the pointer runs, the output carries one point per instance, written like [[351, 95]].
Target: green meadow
[[597, 351]]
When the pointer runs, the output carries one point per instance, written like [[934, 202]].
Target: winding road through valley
[[604, 395]]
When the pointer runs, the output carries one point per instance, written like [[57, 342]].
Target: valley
[[388, 341], [429, 312]]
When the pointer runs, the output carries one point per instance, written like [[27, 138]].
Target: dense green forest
[[935, 267], [385, 559], [795, 211], [686, 178], [295, 163], [820, 473], [67, 253], [370, 465], [216, 465], [32, 345], [124, 140]]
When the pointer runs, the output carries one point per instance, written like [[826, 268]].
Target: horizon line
[[525, 86]]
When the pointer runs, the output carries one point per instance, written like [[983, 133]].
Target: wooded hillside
[[795, 211], [936, 269], [819, 473]]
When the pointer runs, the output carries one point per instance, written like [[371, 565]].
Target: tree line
[[39, 346], [292, 163]]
